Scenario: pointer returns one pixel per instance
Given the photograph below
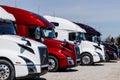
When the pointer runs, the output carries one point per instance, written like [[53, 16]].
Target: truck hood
[[55, 43], [92, 43], [17, 39]]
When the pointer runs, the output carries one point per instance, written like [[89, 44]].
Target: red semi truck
[[61, 53]]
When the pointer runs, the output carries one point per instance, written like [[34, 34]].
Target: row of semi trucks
[[46, 44]]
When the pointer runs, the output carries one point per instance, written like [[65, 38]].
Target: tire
[[53, 64], [86, 59], [107, 59], [7, 71]]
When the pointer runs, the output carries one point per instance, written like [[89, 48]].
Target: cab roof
[[5, 15], [24, 17], [64, 24]]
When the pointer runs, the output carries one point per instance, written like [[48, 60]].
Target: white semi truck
[[92, 36], [71, 32], [19, 57]]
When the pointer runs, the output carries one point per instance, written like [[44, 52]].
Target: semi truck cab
[[109, 50], [93, 38], [18, 53]]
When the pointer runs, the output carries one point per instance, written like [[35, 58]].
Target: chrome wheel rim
[[51, 64], [4, 72], [86, 59]]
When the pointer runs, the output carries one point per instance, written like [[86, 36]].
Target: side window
[[31, 32], [72, 36]]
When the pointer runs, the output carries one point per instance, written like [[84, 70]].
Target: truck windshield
[[96, 39], [48, 32], [7, 27], [76, 36], [82, 36]]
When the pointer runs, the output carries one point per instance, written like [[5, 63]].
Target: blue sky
[[103, 15]]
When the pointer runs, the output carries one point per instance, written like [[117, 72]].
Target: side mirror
[[79, 40], [56, 34], [37, 33], [42, 40], [99, 41], [75, 42]]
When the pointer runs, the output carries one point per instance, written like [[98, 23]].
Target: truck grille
[[43, 55], [77, 50]]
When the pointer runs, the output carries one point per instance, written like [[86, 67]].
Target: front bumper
[[44, 70], [96, 58], [70, 61], [115, 56], [78, 61], [30, 71], [101, 57]]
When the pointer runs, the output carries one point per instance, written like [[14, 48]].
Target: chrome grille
[[43, 55]]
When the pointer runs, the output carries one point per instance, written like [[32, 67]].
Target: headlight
[[69, 58]]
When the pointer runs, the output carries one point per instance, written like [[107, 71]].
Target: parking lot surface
[[99, 71]]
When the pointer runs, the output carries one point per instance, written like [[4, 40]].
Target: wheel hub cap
[[51, 64], [4, 72], [86, 59]]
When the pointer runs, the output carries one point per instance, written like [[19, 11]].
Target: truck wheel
[[107, 59], [86, 59], [53, 64], [7, 71]]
